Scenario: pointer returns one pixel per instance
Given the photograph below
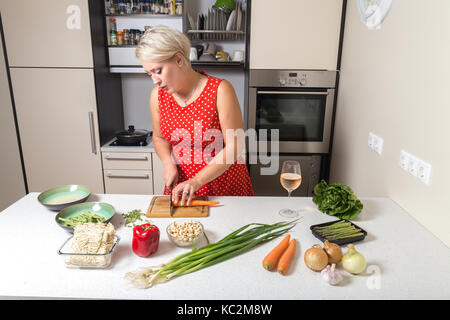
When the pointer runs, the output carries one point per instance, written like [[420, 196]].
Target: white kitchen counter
[[405, 261]]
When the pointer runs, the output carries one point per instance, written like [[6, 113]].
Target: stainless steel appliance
[[299, 103]]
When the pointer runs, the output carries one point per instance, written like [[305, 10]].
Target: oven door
[[303, 117]]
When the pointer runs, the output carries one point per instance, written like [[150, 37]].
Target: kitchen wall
[[12, 186], [136, 90], [394, 82]]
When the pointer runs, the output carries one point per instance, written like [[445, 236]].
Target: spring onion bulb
[[235, 243]]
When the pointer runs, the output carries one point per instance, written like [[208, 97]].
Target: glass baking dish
[[85, 260]]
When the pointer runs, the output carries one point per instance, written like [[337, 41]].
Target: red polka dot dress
[[196, 137]]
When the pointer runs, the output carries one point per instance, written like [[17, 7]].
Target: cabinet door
[[57, 116], [47, 33], [295, 34], [128, 181], [12, 187], [158, 181]]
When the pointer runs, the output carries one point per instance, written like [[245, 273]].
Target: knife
[[170, 200]]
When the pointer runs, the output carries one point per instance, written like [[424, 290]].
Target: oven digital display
[[292, 74]]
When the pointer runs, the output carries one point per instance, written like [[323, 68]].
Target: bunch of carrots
[[280, 256]]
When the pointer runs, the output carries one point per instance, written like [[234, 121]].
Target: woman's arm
[[230, 118], [162, 147]]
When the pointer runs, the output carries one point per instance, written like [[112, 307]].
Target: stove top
[[116, 142]]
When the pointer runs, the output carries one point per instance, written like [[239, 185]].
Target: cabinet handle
[[108, 157], [91, 130], [132, 176]]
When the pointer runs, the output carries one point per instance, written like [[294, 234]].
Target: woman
[[188, 107]]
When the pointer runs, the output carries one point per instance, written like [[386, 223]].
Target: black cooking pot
[[132, 136]]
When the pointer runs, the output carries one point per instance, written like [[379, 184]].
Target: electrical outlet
[[375, 143], [378, 145], [415, 166], [404, 159], [370, 140], [412, 165], [423, 171]]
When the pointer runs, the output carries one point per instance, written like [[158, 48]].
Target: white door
[[47, 33], [57, 116]]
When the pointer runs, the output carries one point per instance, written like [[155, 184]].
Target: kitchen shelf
[[225, 64], [146, 15]]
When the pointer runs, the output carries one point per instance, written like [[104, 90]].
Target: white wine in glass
[[290, 178]]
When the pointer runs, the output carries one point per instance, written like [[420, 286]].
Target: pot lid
[[132, 132]]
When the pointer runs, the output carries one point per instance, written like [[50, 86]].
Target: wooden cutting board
[[159, 208]]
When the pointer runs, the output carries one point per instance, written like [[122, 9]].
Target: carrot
[[286, 258], [272, 257], [195, 203]]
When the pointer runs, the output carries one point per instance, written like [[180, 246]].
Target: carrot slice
[[286, 258], [195, 203], [272, 257]]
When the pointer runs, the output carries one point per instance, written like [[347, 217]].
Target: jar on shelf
[[132, 36], [113, 24], [179, 7], [119, 38], [113, 38], [126, 37]]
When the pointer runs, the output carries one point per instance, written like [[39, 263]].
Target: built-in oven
[[299, 104]]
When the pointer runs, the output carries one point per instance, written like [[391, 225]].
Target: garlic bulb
[[331, 275]]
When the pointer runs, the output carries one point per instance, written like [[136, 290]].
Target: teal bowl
[[104, 209], [59, 198]]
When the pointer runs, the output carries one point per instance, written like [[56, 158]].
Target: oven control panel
[[293, 79]]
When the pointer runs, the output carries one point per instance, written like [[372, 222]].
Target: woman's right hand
[[170, 174]]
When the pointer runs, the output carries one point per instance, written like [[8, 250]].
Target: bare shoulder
[[225, 87]]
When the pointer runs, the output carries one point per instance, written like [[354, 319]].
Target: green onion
[[83, 217], [235, 243]]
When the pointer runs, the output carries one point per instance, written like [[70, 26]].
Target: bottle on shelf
[[135, 8], [122, 7]]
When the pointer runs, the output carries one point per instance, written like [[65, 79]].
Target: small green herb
[[132, 216]]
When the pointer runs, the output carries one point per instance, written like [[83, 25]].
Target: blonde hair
[[161, 43]]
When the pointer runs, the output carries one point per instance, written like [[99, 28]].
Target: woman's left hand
[[185, 190]]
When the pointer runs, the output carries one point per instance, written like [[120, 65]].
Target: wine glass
[[290, 178]]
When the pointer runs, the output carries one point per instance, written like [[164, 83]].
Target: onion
[[353, 261], [333, 251], [316, 258]]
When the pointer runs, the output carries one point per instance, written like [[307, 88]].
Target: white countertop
[[405, 261]]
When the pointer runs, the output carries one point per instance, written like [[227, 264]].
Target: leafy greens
[[337, 200]]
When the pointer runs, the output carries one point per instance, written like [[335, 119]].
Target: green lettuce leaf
[[337, 200]]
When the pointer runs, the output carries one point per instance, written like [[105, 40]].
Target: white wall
[[395, 83]]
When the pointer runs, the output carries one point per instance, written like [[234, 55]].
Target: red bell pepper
[[145, 239]]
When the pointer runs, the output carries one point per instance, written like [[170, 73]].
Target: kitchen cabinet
[[295, 34], [67, 103], [13, 185], [57, 118], [128, 173], [132, 172], [158, 170], [47, 33]]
